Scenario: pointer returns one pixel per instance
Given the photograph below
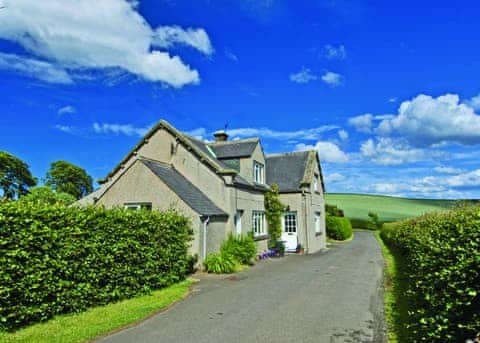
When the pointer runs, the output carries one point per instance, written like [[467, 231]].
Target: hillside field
[[388, 208]]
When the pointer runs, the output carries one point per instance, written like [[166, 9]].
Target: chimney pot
[[220, 136]]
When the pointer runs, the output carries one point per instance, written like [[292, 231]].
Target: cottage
[[220, 185]]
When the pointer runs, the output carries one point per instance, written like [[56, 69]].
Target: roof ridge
[[244, 140], [283, 154]]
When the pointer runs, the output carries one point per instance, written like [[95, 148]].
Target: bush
[[221, 263], [334, 211], [56, 259], [44, 195], [442, 252], [242, 248], [338, 228]]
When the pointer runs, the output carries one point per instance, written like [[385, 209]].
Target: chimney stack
[[220, 136]]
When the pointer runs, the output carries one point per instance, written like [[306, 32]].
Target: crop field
[[388, 208]]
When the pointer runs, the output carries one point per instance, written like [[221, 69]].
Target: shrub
[[273, 212], [242, 248], [442, 252], [44, 195], [338, 228], [221, 263], [334, 211], [56, 259]]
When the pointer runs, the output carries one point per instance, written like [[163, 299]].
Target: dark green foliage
[[44, 195], [15, 177], [242, 248], [374, 221], [442, 255], [334, 211], [361, 223], [221, 263], [66, 177], [278, 246], [338, 228], [56, 259], [273, 212]]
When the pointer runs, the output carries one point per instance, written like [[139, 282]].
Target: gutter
[[304, 196]]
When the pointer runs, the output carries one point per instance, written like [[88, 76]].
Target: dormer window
[[258, 172]]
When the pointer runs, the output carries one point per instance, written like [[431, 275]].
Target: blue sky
[[388, 93]]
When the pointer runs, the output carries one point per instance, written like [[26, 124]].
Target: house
[[220, 185]]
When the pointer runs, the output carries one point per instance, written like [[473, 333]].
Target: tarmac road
[[332, 297]]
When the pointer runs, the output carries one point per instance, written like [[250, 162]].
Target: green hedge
[[338, 228], [442, 252], [243, 248], [55, 259]]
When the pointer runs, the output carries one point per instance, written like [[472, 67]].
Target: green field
[[388, 208]]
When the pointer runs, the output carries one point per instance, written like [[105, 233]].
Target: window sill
[[261, 237], [318, 234]]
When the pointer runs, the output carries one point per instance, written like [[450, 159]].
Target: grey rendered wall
[[316, 203], [246, 164], [138, 184]]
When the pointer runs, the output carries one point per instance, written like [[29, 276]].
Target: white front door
[[289, 235], [238, 222]]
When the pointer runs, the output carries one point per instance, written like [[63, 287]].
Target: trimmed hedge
[[442, 252], [56, 259], [338, 228]]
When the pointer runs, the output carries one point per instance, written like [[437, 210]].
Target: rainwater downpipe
[[205, 224], [307, 243]]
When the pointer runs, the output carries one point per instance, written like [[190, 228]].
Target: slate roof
[[190, 194], [287, 170], [234, 149]]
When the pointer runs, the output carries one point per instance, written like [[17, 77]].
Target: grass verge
[[396, 308], [100, 321]]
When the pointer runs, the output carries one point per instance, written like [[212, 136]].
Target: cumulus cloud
[[474, 102], [332, 79], [335, 52], [65, 128], [343, 135], [334, 177], [328, 151], [66, 110], [425, 121], [305, 75], [386, 151], [74, 35], [447, 170], [119, 129], [167, 36], [308, 134], [362, 123], [37, 69]]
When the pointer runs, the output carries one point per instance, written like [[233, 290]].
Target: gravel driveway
[[333, 296]]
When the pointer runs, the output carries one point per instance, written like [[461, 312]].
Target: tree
[[15, 176], [273, 212], [46, 195], [66, 177]]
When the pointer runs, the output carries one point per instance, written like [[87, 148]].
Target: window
[[290, 222], [318, 226], [258, 170], [315, 184], [138, 206], [258, 223]]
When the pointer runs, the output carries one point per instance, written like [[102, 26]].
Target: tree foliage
[[273, 211], [44, 195], [68, 178], [15, 176]]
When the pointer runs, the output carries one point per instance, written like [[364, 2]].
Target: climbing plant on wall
[[273, 212]]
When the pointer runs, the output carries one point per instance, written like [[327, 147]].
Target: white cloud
[[67, 110], [474, 102], [335, 52], [447, 170], [468, 179], [386, 151], [343, 135], [332, 79], [425, 121], [74, 35], [65, 128], [197, 133], [394, 99], [167, 36], [230, 55], [119, 129], [362, 123], [41, 70], [305, 75], [328, 151], [335, 177], [311, 134]]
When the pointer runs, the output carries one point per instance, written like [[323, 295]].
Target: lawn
[[388, 208], [99, 321]]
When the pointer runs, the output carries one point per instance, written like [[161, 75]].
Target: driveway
[[333, 296]]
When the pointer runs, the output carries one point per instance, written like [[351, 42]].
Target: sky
[[387, 92]]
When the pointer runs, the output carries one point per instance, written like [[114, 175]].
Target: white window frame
[[318, 226], [258, 172], [258, 223], [290, 222], [315, 183], [136, 206]]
